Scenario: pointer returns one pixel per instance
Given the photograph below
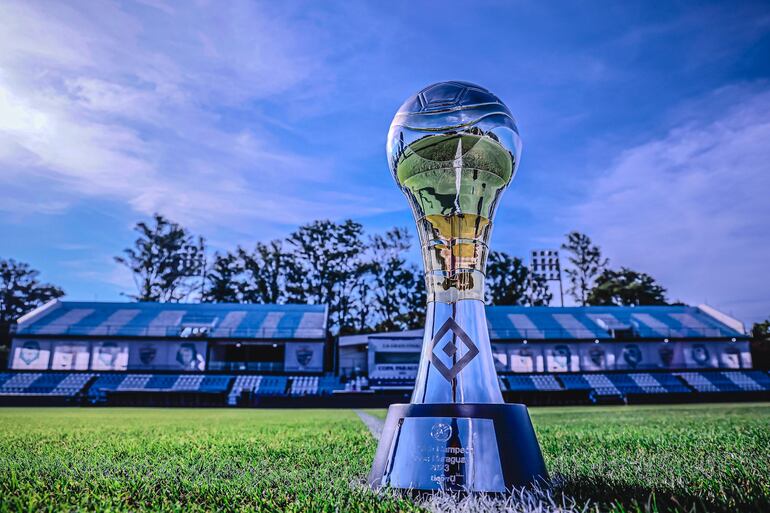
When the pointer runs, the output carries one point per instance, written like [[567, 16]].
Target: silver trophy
[[453, 148]]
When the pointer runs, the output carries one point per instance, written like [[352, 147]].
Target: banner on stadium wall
[[730, 357], [700, 355], [184, 355], [394, 358], [304, 356], [525, 358], [31, 354], [109, 355], [633, 355], [596, 357], [735, 355], [500, 357], [668, 355], [562, 358], [70, 355], [623, 356]]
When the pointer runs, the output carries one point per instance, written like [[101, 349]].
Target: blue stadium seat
[[545, 382], [73, 384], [215, 384], [671, 383], [759, 377], [272, 386], [161, 381], [647, 383], [626, 384], [243, 383], [50, 384], [520, 383], [602, 385], [187, 383], [574, 382], [743, 380], [304, 385], [102, 384], [709, 382], [328, 384]]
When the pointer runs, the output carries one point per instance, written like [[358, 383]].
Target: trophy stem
[[456, 364]]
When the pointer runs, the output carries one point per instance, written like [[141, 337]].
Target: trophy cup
[[452, 149]]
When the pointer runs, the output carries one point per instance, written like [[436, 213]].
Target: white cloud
[[122, 102], [692, 207]]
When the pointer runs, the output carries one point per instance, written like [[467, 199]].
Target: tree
[[587, 263], [327, 266], [416, 301], [167, 262], [760, 345], [222, 280], [626, 288], [398, 288], [20, 293], [263, 273], [510, 282], [539, 293]]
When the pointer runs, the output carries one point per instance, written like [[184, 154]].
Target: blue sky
[[646, 126]]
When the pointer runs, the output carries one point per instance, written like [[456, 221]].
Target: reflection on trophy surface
[[453, 148]]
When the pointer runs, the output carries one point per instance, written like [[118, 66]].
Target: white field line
[[374, 424]]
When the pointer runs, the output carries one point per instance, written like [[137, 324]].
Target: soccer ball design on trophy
[[453, 148]]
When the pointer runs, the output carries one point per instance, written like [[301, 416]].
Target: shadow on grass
[[586, 495], [611, 495]]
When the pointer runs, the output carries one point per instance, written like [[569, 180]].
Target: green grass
[[710, 457], [149, 459]]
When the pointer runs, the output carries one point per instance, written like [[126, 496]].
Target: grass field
[[705, 457]]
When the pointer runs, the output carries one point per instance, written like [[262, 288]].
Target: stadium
[[162, 354]]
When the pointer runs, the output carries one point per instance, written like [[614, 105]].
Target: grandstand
[[93, 353]]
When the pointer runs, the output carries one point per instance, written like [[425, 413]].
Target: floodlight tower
[[545, 263]]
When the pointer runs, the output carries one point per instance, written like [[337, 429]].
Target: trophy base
[[457, 448]]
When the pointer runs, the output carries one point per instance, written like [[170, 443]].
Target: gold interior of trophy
[[454, 183]]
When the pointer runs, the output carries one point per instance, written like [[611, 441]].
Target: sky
[[645, 125]]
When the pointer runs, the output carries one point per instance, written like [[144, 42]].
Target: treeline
[[366, 280]]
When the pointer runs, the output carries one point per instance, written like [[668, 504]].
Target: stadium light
[[453, 148], [546, 264]]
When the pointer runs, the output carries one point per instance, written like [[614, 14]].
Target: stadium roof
[[212, 320], [600, 322], [594, 322]]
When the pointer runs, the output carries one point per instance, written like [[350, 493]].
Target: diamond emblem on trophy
[[453, 148], [451, 350]]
